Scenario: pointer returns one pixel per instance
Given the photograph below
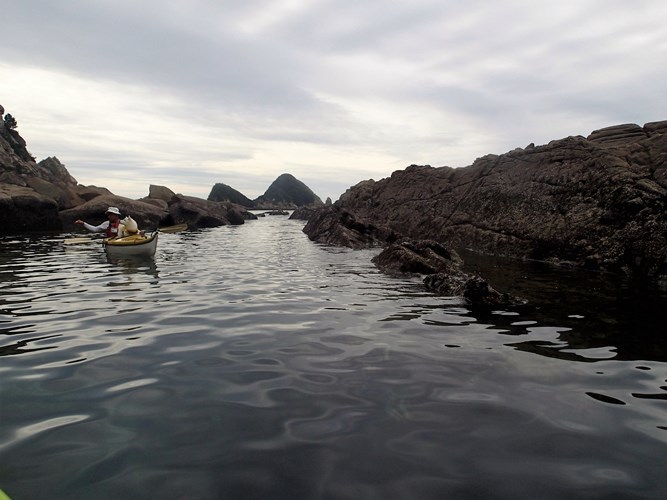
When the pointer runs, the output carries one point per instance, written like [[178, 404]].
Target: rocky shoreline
[[597, 202], [44, 197]]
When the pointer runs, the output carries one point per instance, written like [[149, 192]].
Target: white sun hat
[[113, 210]]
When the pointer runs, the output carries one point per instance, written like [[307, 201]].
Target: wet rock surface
[[335, 226], [442, 268], [417, 256], [597, 202]]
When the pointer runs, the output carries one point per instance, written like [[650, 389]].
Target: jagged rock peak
[[287, 192], [223, 192]]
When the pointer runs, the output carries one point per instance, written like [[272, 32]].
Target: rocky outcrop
[[159, 195], [45, 197], [22, 209], [200, 213], [54, 181], [287, 193], [196, 212], [442, 268], [225, 193], [32, 194], [162, 207], [148, 216], [474, 289], [417, 256], [14, 145], [303, 213], [598, 202], [618, 134], [332, 225]]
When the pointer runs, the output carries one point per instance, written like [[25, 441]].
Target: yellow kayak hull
[[131, 245]]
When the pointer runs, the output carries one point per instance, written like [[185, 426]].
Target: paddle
[[80, 241], [173, 229], [83, 240]]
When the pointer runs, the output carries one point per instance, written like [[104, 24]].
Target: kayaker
[[109, 226]]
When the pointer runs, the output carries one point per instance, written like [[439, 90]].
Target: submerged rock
[[443, 269], [417, 256], [474, 289]]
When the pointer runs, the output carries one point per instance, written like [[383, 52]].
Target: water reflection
[[132, 265], [594, 310], [302, 372]]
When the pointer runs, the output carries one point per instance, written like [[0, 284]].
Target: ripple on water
[[248, 362]]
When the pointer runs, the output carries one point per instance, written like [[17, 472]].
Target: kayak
[[131, 245]]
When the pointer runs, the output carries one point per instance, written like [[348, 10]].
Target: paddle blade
[[78, 241], [173, 229]]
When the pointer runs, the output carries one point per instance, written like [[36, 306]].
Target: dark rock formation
[[598, 202], [618, 134], [334, 226], [223, 192], [443, 269], [54, 181], [160, 195], [196, 212], [303, 213], [14, 142], [31, 194], [148, 216], [161, 208], [287, 193], [23, 209], [90, 192], [45, 197], [417, 256], [474, 289]]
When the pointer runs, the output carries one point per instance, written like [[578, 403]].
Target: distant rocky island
[[285, 193], [43, 196]]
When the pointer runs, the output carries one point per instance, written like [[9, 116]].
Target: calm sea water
[[250, 363]]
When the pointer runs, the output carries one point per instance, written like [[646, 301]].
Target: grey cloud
[[212, 68], [515, 71]]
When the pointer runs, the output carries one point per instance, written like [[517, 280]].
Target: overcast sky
[[184, 94]]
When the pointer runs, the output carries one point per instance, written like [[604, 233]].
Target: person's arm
[[95, 229]]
